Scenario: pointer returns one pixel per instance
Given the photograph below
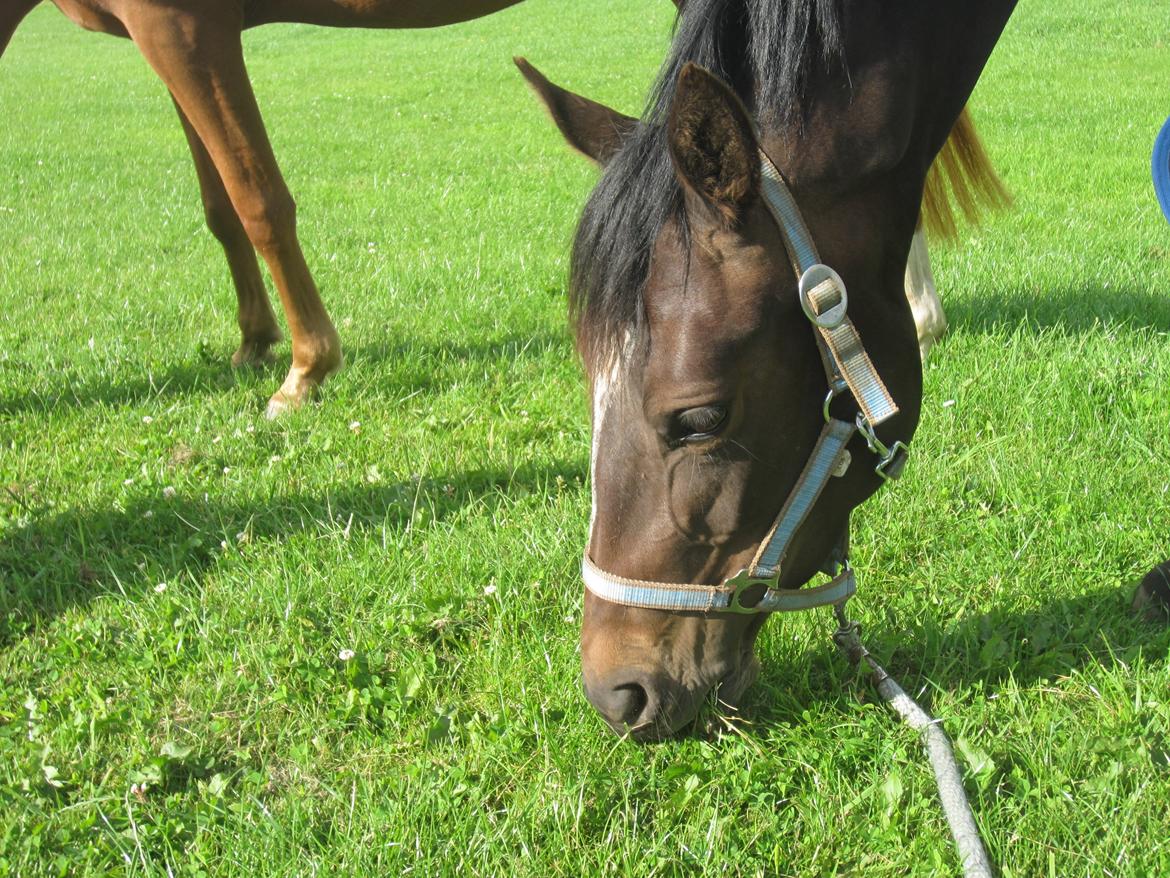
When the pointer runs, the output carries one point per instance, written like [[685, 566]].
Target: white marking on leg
[[929, 319]]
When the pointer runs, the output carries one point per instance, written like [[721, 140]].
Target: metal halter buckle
[[813, 277], [892, 459]]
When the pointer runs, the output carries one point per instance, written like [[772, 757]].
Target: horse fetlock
[[929, 320], [314, 360], [255, 352], [297, 389], [317, 356]]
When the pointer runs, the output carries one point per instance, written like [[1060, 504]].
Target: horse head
[[708, 380]]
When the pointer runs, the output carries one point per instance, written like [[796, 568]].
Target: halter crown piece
[[755, 589]]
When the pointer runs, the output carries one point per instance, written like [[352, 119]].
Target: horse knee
[[270, 222]]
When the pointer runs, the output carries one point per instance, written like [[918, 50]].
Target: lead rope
[[846, 361], [957, 809]]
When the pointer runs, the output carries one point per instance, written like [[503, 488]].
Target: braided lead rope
[[947, 776]]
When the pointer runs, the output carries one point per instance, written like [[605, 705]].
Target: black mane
[[765, 50]]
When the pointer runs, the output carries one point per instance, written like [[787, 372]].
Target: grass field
[[178, 577]]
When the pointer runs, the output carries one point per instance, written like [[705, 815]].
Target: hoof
[[301, 386], [278, 405], [291, 396], [1152, 599], [255, 354]]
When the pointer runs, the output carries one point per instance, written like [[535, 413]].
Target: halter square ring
[[819, 279]]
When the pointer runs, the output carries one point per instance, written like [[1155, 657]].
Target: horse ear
[[713, 143], [591, 128]]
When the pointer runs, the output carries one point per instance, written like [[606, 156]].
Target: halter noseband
[[847, 367]]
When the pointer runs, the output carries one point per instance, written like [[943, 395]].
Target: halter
[[755, 589]]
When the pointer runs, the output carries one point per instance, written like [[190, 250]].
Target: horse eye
[[701, 422]]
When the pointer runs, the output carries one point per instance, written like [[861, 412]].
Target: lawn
[[182, 583]]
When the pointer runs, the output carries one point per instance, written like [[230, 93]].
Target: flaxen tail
[[961, 176], [11, 14]]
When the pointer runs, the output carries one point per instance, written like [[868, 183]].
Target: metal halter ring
[[838, 387], [743, 581], [814, 277]]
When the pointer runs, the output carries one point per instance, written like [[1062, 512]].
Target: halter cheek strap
[[847, 366], [825, 302]]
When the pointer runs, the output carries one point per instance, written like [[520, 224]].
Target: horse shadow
[[56, 562], [1074, 309], [1054, 639], [423, 367], [72, 389]]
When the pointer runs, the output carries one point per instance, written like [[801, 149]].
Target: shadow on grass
[[67, 559], [1028, 647], [71, 390], [1069, 309], [424, 367]]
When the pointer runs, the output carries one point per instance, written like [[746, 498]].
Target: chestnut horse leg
[[199, 57], [258, 329]]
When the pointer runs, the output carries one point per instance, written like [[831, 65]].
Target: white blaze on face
[[606, 384]]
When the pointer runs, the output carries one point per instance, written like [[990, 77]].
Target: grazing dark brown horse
[[194, 46], [707, 382]]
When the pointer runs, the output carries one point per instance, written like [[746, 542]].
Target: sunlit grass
[[181, 582]]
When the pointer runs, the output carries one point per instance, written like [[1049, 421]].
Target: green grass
[[436, 204]]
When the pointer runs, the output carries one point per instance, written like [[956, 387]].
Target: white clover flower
[[161, 587], [490, 589], [147, 419], [169, 491], [346, 654]]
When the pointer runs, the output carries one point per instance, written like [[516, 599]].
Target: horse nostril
[[623, 706], [628, 704]]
